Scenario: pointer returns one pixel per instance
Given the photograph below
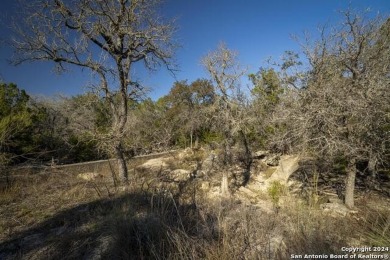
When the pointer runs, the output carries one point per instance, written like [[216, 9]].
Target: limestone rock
[[288, 164], [208, 164], [185, 154], [180, 175], [89, 176], [153, 165], [272, 160], [335, 209], [205, 185], [260, 154]]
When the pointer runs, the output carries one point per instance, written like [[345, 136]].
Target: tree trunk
[[350, 184], [122, 167], [372, 167], [191, 139], [196, 146], [225, 185]]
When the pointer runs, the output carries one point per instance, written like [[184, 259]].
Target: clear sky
[[256, 29]]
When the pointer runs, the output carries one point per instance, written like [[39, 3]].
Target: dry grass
[[58, 216], [310, 231], [377, 230], [33, 199]]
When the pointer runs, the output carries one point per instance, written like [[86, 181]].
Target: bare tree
[[151, 129], [342, 112], [222, 65], [104, 36]]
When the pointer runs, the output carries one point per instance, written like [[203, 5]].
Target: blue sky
[[256, 29]]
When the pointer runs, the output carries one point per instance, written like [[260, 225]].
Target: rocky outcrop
[[287, 165], [253, 193]]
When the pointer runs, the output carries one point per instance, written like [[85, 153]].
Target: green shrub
[[275, 191]]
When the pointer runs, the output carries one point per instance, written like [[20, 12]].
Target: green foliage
[[39, 130], [275, 191], [267, 92], [15, 120], [210, 137], [83, 148], [12, 99], [175, 119], [340, 164], [267, 87]]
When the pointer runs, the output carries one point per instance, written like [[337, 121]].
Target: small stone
[[335, 209]]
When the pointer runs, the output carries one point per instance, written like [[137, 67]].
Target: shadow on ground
[[133, 226]]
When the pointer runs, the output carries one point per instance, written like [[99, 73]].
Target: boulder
[[153, 165], [288, 164]]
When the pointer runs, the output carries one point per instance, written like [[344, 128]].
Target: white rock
[[180, 175], [335, 209], [205, 185], [89, 176], [154, 165], [288, 164], [260, 154]]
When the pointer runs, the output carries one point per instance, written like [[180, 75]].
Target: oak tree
[[104, 36]]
